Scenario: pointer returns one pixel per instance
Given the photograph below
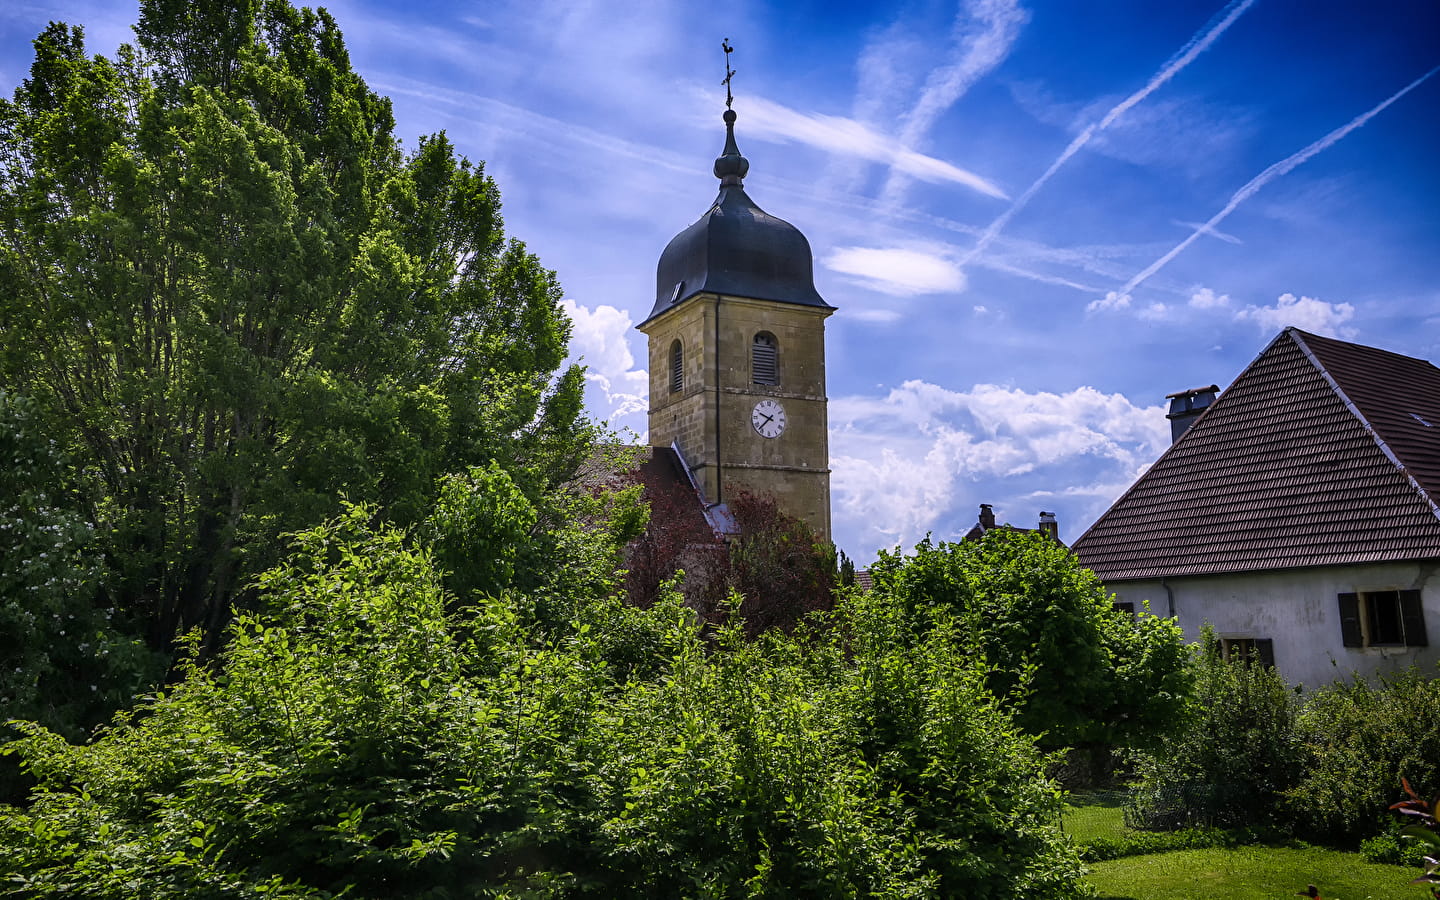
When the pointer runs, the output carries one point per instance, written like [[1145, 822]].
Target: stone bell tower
[[737, 353]]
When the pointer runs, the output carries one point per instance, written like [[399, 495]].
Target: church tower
[[737, 353]]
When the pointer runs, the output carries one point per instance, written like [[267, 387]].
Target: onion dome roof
[[736, 248]]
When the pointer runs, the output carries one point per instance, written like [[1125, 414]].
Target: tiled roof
[[1321, 453], [611, 466], [661, 471]]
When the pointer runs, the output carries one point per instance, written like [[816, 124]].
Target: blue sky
[[1036, 218]]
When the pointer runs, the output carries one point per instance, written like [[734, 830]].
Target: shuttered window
[[765, 359], [1350, 633], [677, 367], [1412, 619], [1383, 619]]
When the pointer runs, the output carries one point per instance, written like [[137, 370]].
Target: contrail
[[977, 54], [1197, 44], [1275, 171]]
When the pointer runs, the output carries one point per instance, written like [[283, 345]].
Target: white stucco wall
[[1299, 610]]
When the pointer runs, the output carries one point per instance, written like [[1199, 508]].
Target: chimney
[[1186, 407], [1048, 526], [987, 517]]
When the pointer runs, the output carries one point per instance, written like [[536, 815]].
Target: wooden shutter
[[677, 367], [764, 360], [1350, 634], [1265, 649], [1412, 619]]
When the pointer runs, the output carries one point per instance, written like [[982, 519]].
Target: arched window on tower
[[677, 367], [765, 359]]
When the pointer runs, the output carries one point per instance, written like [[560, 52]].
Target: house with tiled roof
[[1295, 513]]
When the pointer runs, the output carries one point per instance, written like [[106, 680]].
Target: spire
[[731, 166]]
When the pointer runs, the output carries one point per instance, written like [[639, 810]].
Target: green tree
[[237, 297], [1076, 671], [64, 660]]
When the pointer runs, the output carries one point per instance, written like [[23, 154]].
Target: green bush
[[1236, 759], [365, 737], [1073, 670], [1360, 740], [1388, 847]]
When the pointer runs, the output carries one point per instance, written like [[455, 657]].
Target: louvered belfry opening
[[677, 367], [765, 359]]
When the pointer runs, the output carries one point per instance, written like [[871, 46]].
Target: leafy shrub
[[364, 737], [1236, 759], [1073, 670], [1361, 739], [1388, 847], [771, 573]]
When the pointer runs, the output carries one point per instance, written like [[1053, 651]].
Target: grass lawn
[[1252, 873], [1094, 815]]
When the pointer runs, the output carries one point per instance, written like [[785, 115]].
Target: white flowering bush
[[64, 662]]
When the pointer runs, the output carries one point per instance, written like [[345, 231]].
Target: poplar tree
[[237, 297]]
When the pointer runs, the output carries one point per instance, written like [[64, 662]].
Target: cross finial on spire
[[729, 72], [731, 166]]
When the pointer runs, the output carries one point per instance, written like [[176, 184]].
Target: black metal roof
[[736, 248]]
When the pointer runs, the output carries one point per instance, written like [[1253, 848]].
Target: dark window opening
[[765, 359], [1382, 615], [1249, 650], [1124, 606], [1382, 619], [677, 367]]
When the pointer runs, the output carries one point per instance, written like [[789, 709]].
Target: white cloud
[[898, 271], [884, 316], [1306, 313], [1111, 300], [845, 136], [600, 340], [1205, 298], [920, 457]]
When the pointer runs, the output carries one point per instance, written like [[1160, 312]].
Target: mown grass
[[1252, 873], [1091, 816]]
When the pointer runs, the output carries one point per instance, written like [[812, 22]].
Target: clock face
[[768, 417]]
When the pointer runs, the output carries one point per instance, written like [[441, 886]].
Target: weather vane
[[729, 72]]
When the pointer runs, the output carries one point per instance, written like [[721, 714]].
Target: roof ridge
[[1366, 348], [1354, 410]]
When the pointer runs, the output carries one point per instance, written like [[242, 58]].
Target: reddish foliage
[[776, 563], [677, 537]]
